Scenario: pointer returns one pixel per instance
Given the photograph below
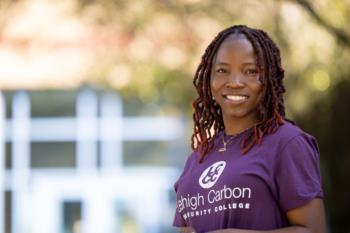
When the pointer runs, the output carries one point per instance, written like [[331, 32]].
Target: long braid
[[266, 124], [207, 114]]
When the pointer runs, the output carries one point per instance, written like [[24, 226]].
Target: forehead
[[235, 47]]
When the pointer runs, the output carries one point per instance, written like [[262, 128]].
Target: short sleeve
[[178, 219], [298, 176]]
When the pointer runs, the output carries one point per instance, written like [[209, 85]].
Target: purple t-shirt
[[252, 191]]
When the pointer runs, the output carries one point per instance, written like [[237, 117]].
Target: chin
[[241, 115]]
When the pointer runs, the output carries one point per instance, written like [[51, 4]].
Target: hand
[[230, 231], [187, 230]]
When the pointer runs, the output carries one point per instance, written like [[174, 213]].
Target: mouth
[[236, 98]]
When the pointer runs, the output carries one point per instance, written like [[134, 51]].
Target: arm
[[309, 218]]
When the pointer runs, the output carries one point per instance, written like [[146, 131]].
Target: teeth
[[236, 97]]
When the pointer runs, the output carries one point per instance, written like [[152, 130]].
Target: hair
[[207, 114]]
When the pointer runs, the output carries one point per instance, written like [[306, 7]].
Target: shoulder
[[295, 143], [190, 162], [288, 132], [290, 135], [192, 158]]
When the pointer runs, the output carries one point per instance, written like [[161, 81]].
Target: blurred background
[[95, 104]]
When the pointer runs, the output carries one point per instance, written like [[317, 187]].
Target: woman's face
[[235, 83]]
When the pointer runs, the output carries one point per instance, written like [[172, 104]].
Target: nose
[[235, 81]]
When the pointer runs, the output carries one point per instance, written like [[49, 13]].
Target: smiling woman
[[242, 141], [235, 83]]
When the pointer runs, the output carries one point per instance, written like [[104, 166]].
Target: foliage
[[148, 50]]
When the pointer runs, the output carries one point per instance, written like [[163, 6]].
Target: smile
[[236, 97]]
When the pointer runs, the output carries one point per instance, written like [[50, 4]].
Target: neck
[[236, 126]]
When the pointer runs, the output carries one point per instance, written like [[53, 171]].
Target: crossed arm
[[309, 218]]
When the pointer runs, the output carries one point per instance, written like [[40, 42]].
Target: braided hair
[[207, 114]]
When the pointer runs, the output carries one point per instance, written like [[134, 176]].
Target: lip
[[241, 98]]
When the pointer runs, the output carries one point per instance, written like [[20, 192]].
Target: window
[[72, 217], [52, 154]]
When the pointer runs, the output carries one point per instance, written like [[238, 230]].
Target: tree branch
[[339, 34]]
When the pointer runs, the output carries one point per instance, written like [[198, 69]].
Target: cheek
[[259, 93], [215, 89], [215, 84]]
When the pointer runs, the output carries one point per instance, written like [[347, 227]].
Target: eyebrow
[[245, 63]]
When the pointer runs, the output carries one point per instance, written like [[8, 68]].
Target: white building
[[85, 171]]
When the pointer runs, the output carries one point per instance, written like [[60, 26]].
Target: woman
[[251, 169]]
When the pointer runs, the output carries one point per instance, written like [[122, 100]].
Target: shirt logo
[[211, 174]]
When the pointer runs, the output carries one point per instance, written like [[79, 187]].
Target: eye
[[221, 71], [252, 72]]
